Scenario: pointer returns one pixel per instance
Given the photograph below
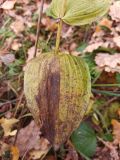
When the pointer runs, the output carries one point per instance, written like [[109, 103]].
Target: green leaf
[[118, 78], [78, 12], [108, 93], [108, 137], [82, 46], [84, 139]]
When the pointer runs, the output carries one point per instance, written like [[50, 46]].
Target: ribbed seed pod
[[57, 88]]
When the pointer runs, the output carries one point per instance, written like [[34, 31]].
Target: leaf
[[37, 154], [111, 113], [84, 140], [7, 59], [105, 61], [15, 153], [116, 130], [7, 125], [115, 11], [9, 4], [18, 26], [82, 46], [79, 12], [118, 78], [29, 139]]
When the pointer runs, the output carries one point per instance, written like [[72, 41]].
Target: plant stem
[[106, 85], [38, 26], [58, 36]]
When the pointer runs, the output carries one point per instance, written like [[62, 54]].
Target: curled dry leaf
[[9, 4], [106, 62], [44, 148], [7, 125]]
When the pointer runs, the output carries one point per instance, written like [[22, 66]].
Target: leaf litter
[[22, 24]]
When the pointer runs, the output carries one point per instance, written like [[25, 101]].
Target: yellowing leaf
[[116, 129], [78, 12], [106, 22], [7, 125], [15, 153]]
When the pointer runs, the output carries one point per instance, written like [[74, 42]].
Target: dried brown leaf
[[115, 11], [117, 41], [16, 45], [116, 129], [110, 63], [7, 59], [7, 125], [18, 26], [28, 138], [8, 4]]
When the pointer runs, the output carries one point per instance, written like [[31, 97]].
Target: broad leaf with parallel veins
[[78, 12]]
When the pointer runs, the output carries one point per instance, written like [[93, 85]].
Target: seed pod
[[57, 88]]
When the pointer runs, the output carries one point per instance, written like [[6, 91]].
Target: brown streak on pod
[[48, 99]]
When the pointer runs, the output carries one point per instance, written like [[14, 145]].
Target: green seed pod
[[57, 88]]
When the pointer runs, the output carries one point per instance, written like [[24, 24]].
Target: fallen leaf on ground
[[105, 61], [116, 129], [115, 11], [37, 154], [15, 153], [92, 47], [28, 138], [106, 23], [7, 59], [9, 4], [18, 26], [44, 148], [7, 125], [117, 41], [16, 45], [112, 149]]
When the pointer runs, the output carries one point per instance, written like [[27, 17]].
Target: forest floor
[[98, 44]]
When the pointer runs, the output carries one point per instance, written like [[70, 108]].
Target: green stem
[[58, 36], [106, 85]]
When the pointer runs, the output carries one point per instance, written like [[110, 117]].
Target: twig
[[19, 102], [38, 26]]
